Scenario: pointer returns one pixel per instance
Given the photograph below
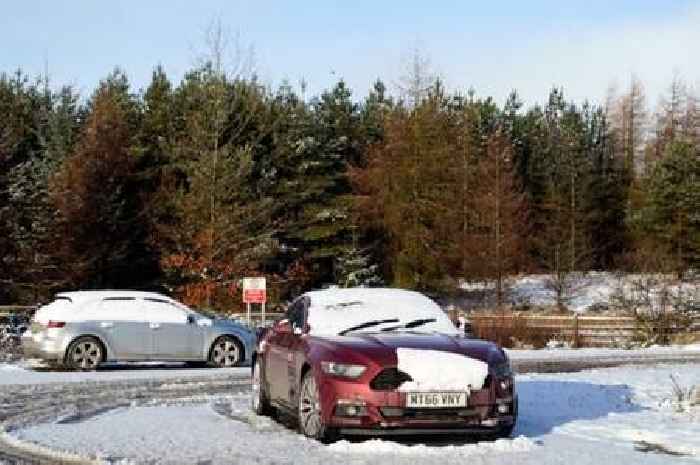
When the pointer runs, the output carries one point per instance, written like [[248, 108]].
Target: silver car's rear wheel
[[226, 352], [85, 353]]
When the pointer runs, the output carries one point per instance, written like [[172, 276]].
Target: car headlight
[[343, 369], [502, 370]]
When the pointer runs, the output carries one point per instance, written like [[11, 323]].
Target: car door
[[120, 322], [173, 335], [278, 356], [293, 344]]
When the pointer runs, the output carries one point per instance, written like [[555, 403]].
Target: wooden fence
[[578, 330]]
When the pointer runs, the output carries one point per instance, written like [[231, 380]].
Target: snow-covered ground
[[603, 415], [33, 372], [584, 292]]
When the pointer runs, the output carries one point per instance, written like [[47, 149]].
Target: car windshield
[[339, 311]]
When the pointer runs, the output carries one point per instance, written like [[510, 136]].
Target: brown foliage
[[95, 214], [495, 237]]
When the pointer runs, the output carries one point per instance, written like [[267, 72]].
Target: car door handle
[[106, 324], [155, 325]]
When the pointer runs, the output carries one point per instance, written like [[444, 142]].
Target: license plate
[[436, 399]]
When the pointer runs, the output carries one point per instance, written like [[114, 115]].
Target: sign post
[[255, 292]]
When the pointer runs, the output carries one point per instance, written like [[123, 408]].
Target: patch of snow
[[434, 370], [584, 291], [334, 310]]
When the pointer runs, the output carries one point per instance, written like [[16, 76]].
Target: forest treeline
[[187, 187]]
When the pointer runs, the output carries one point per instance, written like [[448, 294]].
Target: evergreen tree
[[19, 143], [671, 214], [314, 186], [57, 125], [216, 227]]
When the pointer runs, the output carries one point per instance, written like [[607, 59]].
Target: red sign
[[254, 290], [254, 296]]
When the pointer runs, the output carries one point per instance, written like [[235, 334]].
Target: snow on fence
[[578, 330]]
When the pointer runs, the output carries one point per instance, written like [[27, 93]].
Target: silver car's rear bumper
[[45, 349]]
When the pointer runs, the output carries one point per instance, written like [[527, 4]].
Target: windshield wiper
[[411, 324], [368, 324]]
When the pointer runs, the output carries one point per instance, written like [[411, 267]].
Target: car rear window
[[54, 309]]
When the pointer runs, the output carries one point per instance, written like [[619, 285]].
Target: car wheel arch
[[305, 368]]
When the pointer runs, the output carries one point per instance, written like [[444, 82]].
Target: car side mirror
[[191, 319], [283, 326]]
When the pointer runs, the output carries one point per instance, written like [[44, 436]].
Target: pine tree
[[354, 267], [19, 143], [671, 214], [217, 227], [57, 125], [314, 189], [101, 237]]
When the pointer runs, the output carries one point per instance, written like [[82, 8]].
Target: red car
[[378, 362]]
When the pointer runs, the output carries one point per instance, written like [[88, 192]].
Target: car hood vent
[[389, 379]]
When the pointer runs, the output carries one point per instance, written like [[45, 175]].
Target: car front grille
[[389, 379], [428, 413]]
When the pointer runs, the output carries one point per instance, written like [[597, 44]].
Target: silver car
[[80, 330]]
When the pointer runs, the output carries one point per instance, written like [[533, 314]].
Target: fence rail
[[580, 330]]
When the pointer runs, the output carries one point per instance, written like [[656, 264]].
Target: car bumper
[[385, 412], [46, 349], [435, 429]]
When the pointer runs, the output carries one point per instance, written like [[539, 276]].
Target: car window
[[158, 311], [295, 314]]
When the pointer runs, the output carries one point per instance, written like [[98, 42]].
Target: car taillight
[[56, 324]]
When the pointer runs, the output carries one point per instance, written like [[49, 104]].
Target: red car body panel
[[286, 357]]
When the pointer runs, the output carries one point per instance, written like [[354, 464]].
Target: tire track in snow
[[26, 405]]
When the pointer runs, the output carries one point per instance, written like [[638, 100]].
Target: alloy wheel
[[86, 355], [226, 353], [310, 408]]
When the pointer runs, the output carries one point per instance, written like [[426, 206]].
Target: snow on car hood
[[434, 370]]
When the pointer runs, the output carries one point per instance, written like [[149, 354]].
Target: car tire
[[226, 352], [310, 416], [84, 354], [259, 401]]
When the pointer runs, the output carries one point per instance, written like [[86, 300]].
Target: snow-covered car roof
[[79, 297], [334, 310]]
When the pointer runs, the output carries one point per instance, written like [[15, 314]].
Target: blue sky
[[493, 46]]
